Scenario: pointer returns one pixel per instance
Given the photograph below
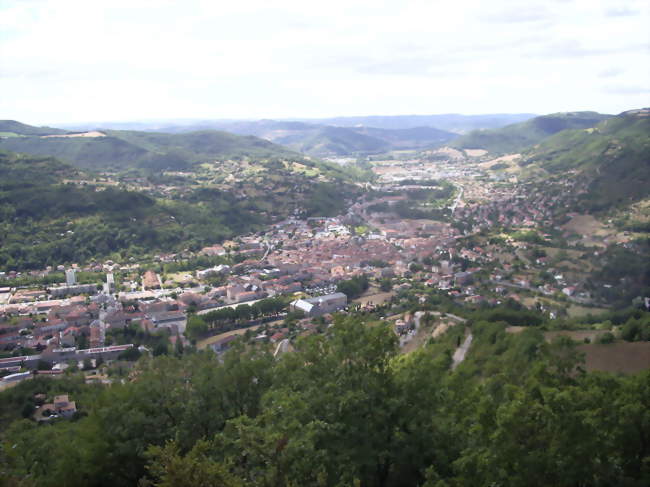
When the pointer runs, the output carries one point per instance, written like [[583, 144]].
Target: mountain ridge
[[122, 150], [516, 137]]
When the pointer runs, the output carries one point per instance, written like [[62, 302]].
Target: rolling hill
[[517, 137], [53, 213], [343, 136], [451, 122], [11, 128], [612, 159], [327, 140], [123, 150]]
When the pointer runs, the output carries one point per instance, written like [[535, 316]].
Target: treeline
[[226, 319], [345, 408]]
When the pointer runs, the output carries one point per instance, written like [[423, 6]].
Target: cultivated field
[[625, 357], [577, 335]]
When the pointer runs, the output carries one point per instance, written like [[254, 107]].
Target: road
[[459, 354], [404, 339], [457, 200]]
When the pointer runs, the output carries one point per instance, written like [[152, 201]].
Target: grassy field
[[593, 231], [576, 311], [374, 298], [624, 357], [577, 335]]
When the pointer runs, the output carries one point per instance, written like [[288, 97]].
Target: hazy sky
[[86, 60]]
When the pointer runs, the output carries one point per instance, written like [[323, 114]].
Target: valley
[[444, 252]]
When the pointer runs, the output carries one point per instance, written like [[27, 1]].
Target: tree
[[44, 365], [354, 287], [385, 285], [178, 347], [161, 348], [130, 354], [196, 327], [171, 469], [606, 338]]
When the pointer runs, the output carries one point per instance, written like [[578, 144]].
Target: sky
[[68, 61]]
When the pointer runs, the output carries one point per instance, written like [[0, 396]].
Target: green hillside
[[409, 138], [47, 219], [337, 141], [11, 128], [519, 136], [121, 150], [612, 158]]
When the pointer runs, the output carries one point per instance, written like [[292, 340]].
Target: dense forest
[[345, 408]]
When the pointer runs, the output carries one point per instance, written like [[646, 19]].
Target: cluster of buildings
[[296, 255]]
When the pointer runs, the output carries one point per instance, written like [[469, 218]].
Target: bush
[[606, 338], [130, 355]]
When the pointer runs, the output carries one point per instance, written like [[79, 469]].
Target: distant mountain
[[341, 136], [121, 150], [326, 140], [517, 137], [451, 122], [611, 160], [334, 141]]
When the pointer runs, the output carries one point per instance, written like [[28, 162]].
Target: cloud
[[574, 48], [123, 59], [621, 12], [515, 14], [626, 90], [610, 72]]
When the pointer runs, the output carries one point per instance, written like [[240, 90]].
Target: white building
[[70, 277], [320, 305]]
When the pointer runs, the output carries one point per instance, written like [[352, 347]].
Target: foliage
[[636, 329], [64, 223], [355, 287], [519, 136], [122, 149], [345, 408], [612, 157]]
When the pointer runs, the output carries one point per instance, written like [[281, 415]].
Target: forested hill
[[25, 171], [519, 136], [12, 128], [52, 213], [123, 149], [612, 158]]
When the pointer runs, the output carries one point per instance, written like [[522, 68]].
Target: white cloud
[[70, 60]]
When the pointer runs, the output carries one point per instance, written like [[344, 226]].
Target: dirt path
[[459, 354]]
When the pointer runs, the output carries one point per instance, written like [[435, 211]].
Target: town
[[443, 219]]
